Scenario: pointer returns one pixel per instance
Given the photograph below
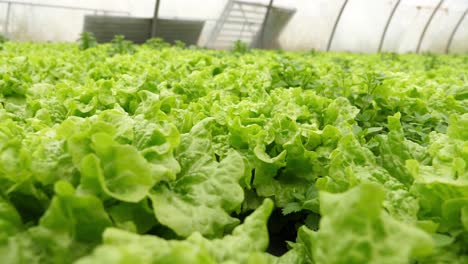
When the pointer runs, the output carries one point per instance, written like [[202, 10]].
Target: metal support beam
[[241, 34], [421, 38], [245, 19], [7, 20], [220, 23], [265, 20], [154, 25], [330, 40], [389, 20], [454, 31]]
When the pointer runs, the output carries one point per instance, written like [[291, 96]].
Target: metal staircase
[[239, 20]]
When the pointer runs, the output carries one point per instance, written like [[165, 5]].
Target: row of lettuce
[[180, 155]]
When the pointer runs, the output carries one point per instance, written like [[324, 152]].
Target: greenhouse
[[234, 131]]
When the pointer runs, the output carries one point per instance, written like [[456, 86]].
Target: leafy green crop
[[240, 47], [122, 153], [121, 46], [87, 40]]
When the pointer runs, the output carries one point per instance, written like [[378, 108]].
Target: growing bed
[[157, 154]]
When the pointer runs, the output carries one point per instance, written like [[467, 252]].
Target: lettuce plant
[[162, 154]]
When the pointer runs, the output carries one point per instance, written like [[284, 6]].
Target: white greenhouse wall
[[359, 29]]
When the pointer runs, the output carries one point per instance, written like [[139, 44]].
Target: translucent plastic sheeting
[[361, 25], [36, 23], [311, 25], [411, 17], [407, 25], [208, 10], [460, 40], [3, 17], [189, 9], [444, 21], [363, 21], [28, 23], [359, 29]]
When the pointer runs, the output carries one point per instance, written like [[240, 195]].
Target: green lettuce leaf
[[69, 229], [352, 164], [118, 170], [206, 191], [247, 239], [367, 233]]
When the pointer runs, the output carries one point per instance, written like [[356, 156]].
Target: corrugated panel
[[106, 27], [279, 18], [187, 31], [138, 30]]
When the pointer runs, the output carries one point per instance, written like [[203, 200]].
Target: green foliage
[[3, 39], [432, 61], [240, 47], [289, 73], [244, 243], [119, 45], [180, 155], [157, 43], [87, 40], [179, 44], [368, 233]]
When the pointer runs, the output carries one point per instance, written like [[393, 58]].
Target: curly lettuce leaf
[[118, 170], [352, 164], [367, 234], [10, 221], [69, 229], [206, 191], [246, 240]]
